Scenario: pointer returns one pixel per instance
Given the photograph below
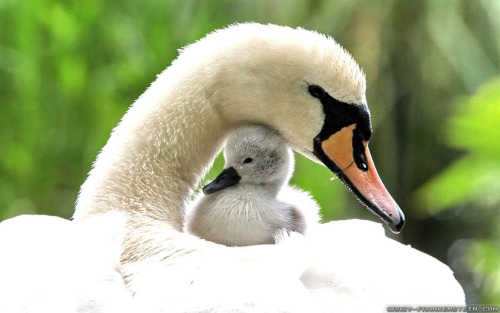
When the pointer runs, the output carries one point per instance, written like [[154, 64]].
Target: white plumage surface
[[347, 265], [341, 266], [49, 264], [360, 262]]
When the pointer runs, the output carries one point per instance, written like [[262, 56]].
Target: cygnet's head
[[255, 155]]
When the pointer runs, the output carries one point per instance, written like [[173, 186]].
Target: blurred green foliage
[[473, 181], [473, 177], [69, 70]]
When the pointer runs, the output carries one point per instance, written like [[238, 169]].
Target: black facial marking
[[359, 151], [339, 114], [316, 91]]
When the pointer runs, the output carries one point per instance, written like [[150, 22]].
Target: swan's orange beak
[[357, 171]]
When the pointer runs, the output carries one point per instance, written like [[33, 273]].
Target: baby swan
[[243, 205]]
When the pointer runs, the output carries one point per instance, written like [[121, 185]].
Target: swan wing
[[353, 266], [346, 266], [49, 264]]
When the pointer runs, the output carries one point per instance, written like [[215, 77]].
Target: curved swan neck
[[245, 74], [169, 136], [157, 153]]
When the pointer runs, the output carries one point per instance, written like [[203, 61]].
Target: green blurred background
[[69, 70]]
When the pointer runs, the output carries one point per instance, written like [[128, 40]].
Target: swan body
[[241, 206], [50, 264], [311, 91]]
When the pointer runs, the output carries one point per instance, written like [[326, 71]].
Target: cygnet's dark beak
[[228, 177]]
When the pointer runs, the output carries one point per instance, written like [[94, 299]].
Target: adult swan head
[[301, 83]]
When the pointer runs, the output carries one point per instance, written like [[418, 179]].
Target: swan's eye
[[316, 91], [248, 160]]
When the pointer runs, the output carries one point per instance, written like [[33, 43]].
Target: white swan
[[312, 92], [241, 205]]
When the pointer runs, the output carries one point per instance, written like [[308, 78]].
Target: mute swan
[[241, 206], [309, 89]]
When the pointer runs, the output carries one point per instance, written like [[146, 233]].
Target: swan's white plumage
[[380, 270], [246, 73], [350, 266], [49, 264]]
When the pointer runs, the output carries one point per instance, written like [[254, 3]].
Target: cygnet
[[250, 202]]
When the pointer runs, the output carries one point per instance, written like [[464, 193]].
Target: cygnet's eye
[[248, 160], [316, 91]]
